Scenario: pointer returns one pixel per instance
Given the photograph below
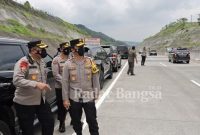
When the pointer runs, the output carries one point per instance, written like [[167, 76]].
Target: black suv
[[11, 50], [99, 55], [123, 50], [114, 55], [179, 55]]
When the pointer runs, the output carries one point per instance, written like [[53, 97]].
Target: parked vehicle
[[123, 50], [99, 55], [11, 50], [179, 55], [114, 56], [153, 53]]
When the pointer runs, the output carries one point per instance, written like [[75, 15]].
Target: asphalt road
[[161, 99]]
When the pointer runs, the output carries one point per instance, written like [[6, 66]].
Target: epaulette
[[93, 65]]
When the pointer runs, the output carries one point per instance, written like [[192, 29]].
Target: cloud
[[120, 19]]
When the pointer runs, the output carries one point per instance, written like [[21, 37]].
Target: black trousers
[[76, 110], [143, 60], [7, 115], [26, 115], [61, 109], [130, 68]]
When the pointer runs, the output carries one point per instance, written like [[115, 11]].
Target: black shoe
[[62, 128], [132, 74]]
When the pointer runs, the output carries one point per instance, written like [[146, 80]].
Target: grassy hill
[[106, 39], [176, 34], [23, 21]]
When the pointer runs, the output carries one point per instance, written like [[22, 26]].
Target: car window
[[122, 48], [7, 62], [107, 49], [98, 53], [48, 60], [114, 49]]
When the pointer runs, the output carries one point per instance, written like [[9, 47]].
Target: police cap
[[37, 43], [64, 45], [77, 42]]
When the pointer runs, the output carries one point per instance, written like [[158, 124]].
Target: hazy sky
[[127, 20]]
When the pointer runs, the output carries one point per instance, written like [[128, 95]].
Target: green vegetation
[[27, 31], [33, 18], [176, 34]]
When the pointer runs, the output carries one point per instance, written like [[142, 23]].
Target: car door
[[106, 60], [51, 98]]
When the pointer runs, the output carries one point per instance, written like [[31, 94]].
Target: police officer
[[57, 67], [132, 57], [143, 55], [80, 85], [30, 81]]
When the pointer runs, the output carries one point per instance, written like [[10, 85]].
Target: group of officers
[[76, 86]]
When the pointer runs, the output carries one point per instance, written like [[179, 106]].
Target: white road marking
[[163, 64], [106, 93], [195, 82]]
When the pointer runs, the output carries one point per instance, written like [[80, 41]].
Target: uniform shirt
[[57, 68], [79, 82], [144, 53], [131, 55], [25, 78]]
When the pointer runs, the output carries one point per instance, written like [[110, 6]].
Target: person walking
[[132, 57], [80, 85], [57, 68], [30, 81], [143, 55]]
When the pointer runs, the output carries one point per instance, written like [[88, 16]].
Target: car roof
[[92, 46], [6, 40], [107, 45]]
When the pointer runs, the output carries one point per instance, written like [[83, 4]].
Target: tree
[[183, 20], [27, 5]]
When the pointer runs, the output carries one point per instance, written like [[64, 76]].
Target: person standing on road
[[57, 68], [132, 57], [143, 55], [30, 81], [81, 87]]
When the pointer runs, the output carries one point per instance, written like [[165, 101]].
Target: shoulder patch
[[24, 65]]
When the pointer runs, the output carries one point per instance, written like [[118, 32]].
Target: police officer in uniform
[[30, 81], [143, 55], [132, 57], [57, 68], [80, 87]]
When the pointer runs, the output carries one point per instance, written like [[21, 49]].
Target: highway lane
[[162, 99], [159, 100]]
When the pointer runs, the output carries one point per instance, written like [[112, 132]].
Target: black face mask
[[66, 51], [43, 53], [81, 51]]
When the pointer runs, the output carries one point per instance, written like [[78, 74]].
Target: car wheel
[[101, 78], [4, 128]]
